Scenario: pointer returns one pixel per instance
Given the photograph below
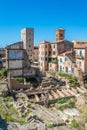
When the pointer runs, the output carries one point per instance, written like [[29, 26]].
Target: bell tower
[[60, 34]]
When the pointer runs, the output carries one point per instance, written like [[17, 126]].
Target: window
[[50, 65], [29, 45], [65, 59], [60, 68], [29, 33], [53, 52], [46, 46], [42, 53], [80, 52], [29, 39], [72, 70], [79, 64], [46, 59], [49, 59], [67, 69], [61, 34], [61, 60], [46, 53], [43, 58], [53, 46], [49, 52]]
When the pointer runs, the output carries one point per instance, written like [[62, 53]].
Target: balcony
[[79, 57]]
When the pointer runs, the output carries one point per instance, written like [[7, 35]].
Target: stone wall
[[14, 84]]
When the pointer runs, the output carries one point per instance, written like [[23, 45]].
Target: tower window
[[61, 35], [29, 39], [29, 33]]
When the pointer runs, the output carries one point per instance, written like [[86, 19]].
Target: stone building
[[27, 37], [14, 61], [16, 45], [60, 34], [1, 64], [35, 54], [2, 53], [49, 51]]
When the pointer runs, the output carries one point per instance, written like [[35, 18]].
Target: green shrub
[[74, 123], [60, 108], [63, 100], [74, 80], [71, 104], [8, 98], [50, 126], [3, 72], [68, 76], [20, 79]]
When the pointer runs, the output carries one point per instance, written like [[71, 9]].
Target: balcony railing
[[79, 57]]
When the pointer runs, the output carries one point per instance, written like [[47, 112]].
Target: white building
[[66, 63], [14, 61]]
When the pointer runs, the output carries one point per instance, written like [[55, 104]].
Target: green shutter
[[60, 59], [60, 68], [81, 53]]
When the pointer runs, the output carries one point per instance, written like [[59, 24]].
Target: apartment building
[[27, 37], [49, 51], [35, 54], [67, 63], [81, 57]]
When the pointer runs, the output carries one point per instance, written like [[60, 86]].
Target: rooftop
[[35, 47], [64, 53], [79, 41], [80, 46], [54, 42]]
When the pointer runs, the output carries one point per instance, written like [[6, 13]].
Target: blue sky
[[45, 16]]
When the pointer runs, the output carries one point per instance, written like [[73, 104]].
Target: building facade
[[17, 45], [49, 51], [27, 37], [67, 63], [14, 61], [60, 34], [81, 57], [2, 53], [35, 54], [76, 42]]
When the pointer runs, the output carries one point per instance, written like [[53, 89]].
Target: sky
[[45, 16]]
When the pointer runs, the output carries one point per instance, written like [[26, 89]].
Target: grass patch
[[71, 104], [74, 80], [65, 103], [63, 100], [74, 124], [20, 79], [50, 126]]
